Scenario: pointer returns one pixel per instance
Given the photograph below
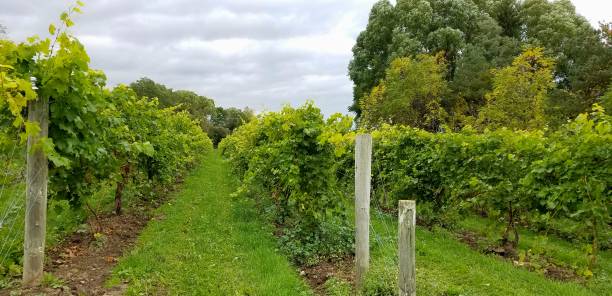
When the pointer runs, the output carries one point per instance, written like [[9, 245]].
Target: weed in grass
[[337, 287], [50, 281]]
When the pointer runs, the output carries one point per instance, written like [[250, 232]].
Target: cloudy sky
[[260, 54]]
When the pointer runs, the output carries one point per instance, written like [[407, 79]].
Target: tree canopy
[[217, 122], [475, 36], [410, 94], [519, 92]]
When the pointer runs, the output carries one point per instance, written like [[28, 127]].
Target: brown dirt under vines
[[553, 271], [317, 275], [84, 260]]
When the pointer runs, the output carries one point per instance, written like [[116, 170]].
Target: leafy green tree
[[472, 79], [146, 87], [411, 27], [507, 14], [605, 30], [411, 94], [519, 92], [606, 99], [371, 50], [201, 108], [217, 122], [477, 34], [583, 60], [224, 121], [231, 118]]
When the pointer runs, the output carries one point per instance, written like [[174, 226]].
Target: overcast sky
[[255, 53]]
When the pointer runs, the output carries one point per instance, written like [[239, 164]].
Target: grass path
[[206, 243]]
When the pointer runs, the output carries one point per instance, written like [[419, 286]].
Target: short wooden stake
[[36, 197], [407, 258], [363, 176]]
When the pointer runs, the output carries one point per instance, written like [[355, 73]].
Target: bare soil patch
[[540, 263], [83, 262], [317, 275]]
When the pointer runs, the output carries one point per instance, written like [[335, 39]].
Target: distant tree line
[[429, 63], [217, 122]]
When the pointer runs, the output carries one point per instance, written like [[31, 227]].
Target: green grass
[[446, 266], [12, 199], [560, 251], [61, 220], [207, 243]]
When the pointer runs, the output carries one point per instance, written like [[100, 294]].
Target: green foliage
[[410, 95], [161, 142], [574, 178], [92, 131], [217, 122], [371, 51], [331, 241], [50, 281], [381, 280], [337, 287], [606, 99], [583, 58], [519, 92], [15, 89], [475, 36], [414, 27], [97, 136], [291, 156], [507, 13], [514, 176]]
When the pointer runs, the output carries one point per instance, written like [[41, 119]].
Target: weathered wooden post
[[407, 267], [36, 196], [363, 176]]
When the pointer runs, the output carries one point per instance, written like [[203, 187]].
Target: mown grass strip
[[446, 266], [206, 243]]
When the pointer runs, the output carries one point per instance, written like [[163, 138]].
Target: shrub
[[292, 155], [512, 176], [381, 280], [337, 287]]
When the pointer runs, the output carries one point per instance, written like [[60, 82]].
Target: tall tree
[[519, 92], [217, 122], [606, 100], [411, 94], [476, 34], [371, 51], [199, 107], [507, 13], [409, 28], [583, 60]]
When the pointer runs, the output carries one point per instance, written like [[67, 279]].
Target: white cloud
[[594, 10], [261, 54], [222, 47]]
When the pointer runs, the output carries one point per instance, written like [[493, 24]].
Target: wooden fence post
[[406, 231], [36, 197], [363, 176]]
